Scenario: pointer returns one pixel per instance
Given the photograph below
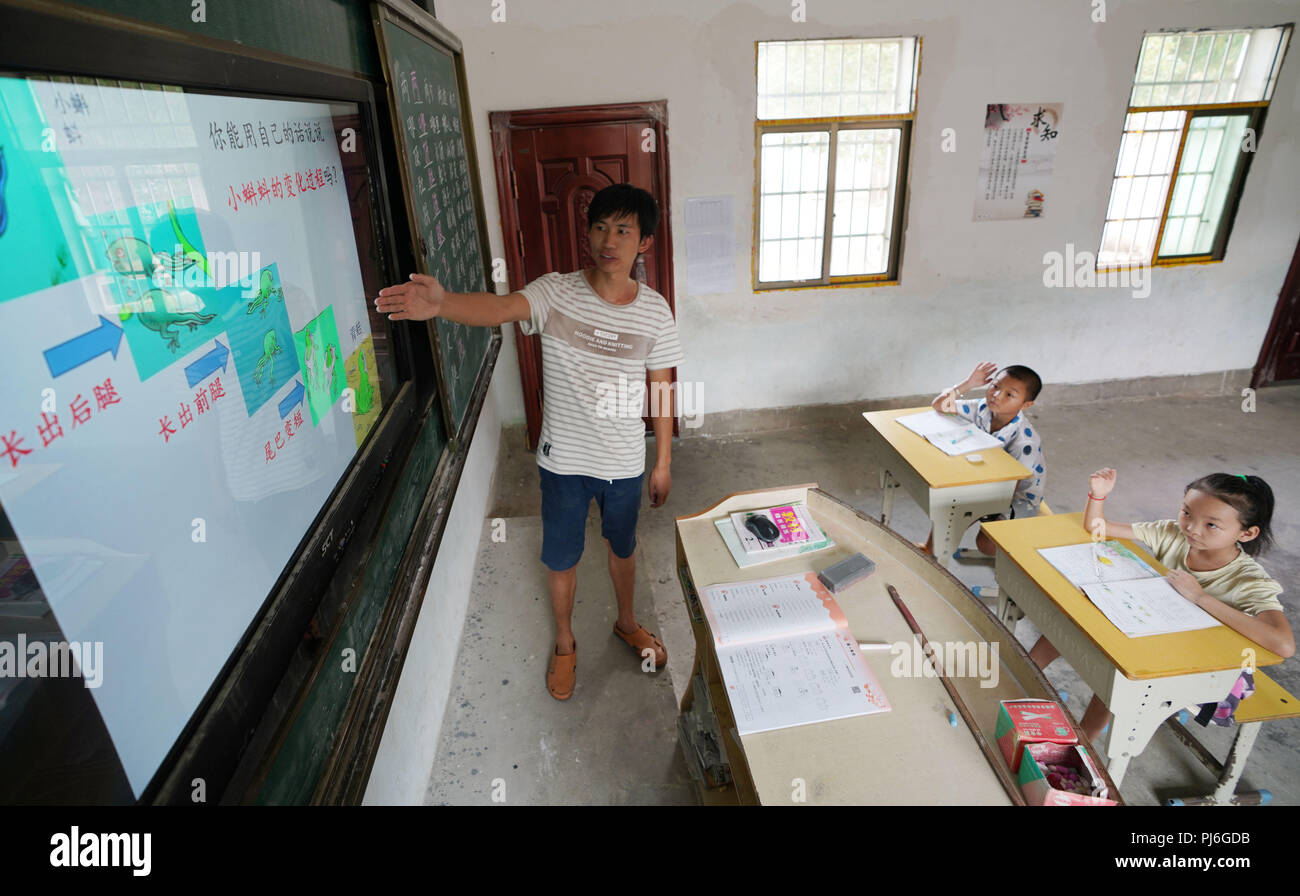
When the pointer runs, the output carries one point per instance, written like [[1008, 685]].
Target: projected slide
[[188, 370]]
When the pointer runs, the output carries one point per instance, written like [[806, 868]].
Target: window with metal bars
[[1193, 123], [833, 128]]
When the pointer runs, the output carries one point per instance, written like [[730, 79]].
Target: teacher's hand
[[420, 299], [661, 482]]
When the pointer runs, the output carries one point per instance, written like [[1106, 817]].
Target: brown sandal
[[641, 639], [561, 673]]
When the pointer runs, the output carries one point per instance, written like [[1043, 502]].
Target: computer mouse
[[764, 529]]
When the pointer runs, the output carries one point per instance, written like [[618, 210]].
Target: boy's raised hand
[[1101, 482], [981, 375], [420, 299]]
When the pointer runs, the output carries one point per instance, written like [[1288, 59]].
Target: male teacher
[[601, 331]]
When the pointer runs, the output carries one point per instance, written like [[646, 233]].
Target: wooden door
[[1279, 358], [550, 163]]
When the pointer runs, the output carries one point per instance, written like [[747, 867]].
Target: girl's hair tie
[[1243, 478]]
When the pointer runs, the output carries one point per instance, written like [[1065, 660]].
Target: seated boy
[[599, 328], [1001, 412]]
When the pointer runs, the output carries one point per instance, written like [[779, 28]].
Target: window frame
[[1218, 246], [832, 125], [1257, 113]]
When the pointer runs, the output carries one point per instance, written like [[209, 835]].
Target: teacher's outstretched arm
[[423, 298]]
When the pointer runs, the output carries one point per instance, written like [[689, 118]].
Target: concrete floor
[[614, 741]]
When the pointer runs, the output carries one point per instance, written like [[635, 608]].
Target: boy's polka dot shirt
[[1020, 438]]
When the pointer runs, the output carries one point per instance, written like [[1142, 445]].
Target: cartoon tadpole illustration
[[262, 300], [133, 257], [266, 364], [192, 255], [167, 324]]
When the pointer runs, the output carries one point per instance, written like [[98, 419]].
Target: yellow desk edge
[[936, 468], [1154, 656]]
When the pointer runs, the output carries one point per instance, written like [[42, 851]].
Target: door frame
[[501, 124], [1265, 372]]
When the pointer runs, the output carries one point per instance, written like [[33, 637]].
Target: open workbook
[[787, 655], [949, 433], [1136, 598]]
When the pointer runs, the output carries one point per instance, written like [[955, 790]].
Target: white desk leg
[[1236, 764], [954, 510], [948, 530], [1008, 613], [889, 484], [1142, 706]]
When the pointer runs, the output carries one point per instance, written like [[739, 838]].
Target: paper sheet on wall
[[710, 245], [1016, 160]]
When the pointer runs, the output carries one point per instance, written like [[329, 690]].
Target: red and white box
[[1031, 721], [1061, 775]]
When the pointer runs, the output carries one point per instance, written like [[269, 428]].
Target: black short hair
[[1033, 382], [621, 200], [1250, 496]]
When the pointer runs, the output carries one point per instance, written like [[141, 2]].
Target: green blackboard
[[302, 757], [442, 198]]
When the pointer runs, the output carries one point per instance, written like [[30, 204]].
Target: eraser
[[843, 574], [975, 458]]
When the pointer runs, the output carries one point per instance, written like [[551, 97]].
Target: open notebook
[[787, 655], [1136, 598], [949, 433]]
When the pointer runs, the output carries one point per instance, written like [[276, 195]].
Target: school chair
[[1269, 703]]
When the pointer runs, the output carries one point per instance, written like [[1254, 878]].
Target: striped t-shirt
[[594, 360]]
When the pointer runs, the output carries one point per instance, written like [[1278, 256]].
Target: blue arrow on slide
[[107, 337], [294, 398], [209, 364]]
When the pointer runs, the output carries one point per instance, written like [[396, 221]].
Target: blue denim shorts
[[565, 501]]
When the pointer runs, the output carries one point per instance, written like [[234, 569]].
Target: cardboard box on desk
[[1042, 767], [1030, 721]]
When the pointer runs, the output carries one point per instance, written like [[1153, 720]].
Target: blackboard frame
[[48, 39], [423, 26]]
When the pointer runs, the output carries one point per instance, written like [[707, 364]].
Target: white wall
[[410, 741], [969, 291]]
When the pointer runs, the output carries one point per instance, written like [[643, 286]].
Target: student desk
[[953, 491], [908, 755], [1143, 680]]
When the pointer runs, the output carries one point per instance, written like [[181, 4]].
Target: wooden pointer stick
[[994, 758]]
